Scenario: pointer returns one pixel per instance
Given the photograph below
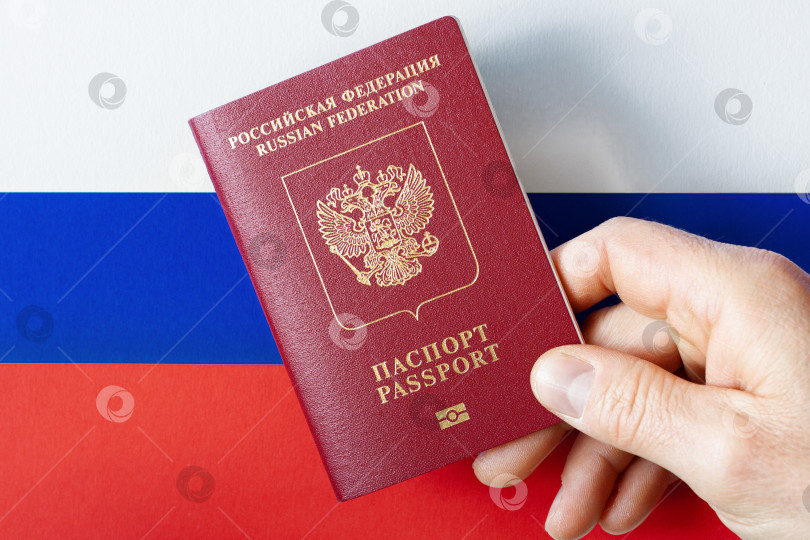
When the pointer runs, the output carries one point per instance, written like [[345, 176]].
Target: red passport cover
[[395, 255]]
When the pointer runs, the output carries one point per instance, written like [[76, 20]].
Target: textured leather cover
[[394, 253]]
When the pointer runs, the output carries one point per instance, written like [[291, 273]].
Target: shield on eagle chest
[[383, 232]]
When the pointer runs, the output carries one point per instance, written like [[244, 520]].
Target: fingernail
[[562, 383], [477, 460]]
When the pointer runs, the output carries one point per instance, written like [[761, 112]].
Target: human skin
[[736, 429]]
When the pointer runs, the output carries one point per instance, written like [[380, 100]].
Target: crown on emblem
[[369, 195], [362, 178]]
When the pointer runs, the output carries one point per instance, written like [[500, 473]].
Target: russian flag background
[[142, 393]]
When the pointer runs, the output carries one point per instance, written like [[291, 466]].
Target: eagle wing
[[341, 232], [415, 202]]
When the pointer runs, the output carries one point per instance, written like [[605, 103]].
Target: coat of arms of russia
[[380, 219]]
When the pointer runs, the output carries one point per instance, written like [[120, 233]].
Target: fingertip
[[517, 459], [489, 468], [641, 489], [479, 459], [559, 524]]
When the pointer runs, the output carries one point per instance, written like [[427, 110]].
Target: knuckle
[[771, 265], [619, 221], [769, 261], [633, 404], [619, 224], [771, 276]]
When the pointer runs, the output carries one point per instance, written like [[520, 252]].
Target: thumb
[[631, 404]]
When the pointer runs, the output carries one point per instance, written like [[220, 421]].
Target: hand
[[737, 432]]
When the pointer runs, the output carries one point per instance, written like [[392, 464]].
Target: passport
[[395, 255]]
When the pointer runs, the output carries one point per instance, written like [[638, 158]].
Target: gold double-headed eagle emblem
[[380, 219]]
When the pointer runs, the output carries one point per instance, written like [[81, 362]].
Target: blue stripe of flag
[[145, 278]]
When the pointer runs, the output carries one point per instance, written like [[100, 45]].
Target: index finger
[[658, 271]]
